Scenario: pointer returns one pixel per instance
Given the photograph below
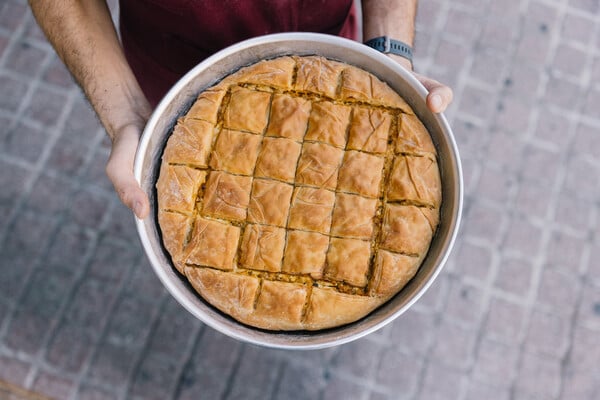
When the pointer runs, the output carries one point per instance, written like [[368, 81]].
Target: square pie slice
[[417, 180], [227, 196], [311, 209], [270, 202], [213, 244], [278, 159], [305, 253], [353, 216], [235, 152], [190, 143], [318, 165], [262, 248], [289, 117], [328, 123], [247, 110], [361, 173]]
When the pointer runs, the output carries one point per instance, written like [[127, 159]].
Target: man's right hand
[[119, 169]]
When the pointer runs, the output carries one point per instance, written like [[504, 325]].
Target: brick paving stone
[[113, 364], [257, 376], [565, 251], [464, 302], [413, 331], [155, 377], [398, 373], [552, 127], [513, 115], [476, 103], [25, 59], [488, 67], [26, 142], [539, 375], [505, 321], [495, 363], [71, 347], [589, 308], [531, 200], [548, 334], [470, 136], [12, 14], [523, 237], [586, 140], [560, 92], [208, 370], [514, 276], [441, 383], [461, 24], [120, 224], [454, 345], [68, 157], [88, 207], [558, 291], [573, 213], [50, 194], [523, 83], [14, 370], [593, 266], [582, 178], [357, 358], [590, 6], [93, 393], [339, 388], [506, 150], [130, 321], [478, 391], [483, 222], [96, 175], [569, 60], [473, 261], [112, 262], [495, 185], [13, 92], [540, 165], [53, 385], [45, 106], [12, 184], [300, 383], [592, 103]]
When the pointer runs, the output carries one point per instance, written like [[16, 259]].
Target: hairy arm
[[396, 19], [83, 35]]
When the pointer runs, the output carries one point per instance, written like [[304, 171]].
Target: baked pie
[[298, 193]]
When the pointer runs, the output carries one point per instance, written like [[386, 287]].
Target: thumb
[[440, 96], [119, 170]]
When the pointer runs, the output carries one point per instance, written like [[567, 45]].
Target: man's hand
[[120, 170]]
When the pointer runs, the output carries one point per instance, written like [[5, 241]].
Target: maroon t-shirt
[[164, 39]]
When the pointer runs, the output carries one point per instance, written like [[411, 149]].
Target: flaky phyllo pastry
[[298, 193]]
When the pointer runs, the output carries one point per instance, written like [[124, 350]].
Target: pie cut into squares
[[213, 244], [311, 209], [406, 229], [247, 110], [278, 159], [228, 148], [270, 202], [227, 196], [179, 185], [289, 117], [413, 137], [305, 253], [348, 261], [369, 130], [319, 165], [298, 193], [415, 179], [353, 216], [191, 143], [318, 75], [361, 173], [207, 105], [328, 123], [262, 248]]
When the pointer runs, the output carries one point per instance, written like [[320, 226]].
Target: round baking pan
[[179, 99]]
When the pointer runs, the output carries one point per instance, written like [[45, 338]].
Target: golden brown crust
[[298, 193], [416, 180]]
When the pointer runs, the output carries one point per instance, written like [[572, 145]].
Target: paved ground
[[515, 314]]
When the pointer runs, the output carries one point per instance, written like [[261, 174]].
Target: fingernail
[[138, 208], [436, 101]]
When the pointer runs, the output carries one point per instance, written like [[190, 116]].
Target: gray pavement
[[514, 315]]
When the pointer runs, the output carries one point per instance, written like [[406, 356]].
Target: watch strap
[[390, 46]]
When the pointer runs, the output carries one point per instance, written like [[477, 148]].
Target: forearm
[[393, 18], [83, 35]]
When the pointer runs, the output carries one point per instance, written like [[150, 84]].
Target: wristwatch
[[390, 46]]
